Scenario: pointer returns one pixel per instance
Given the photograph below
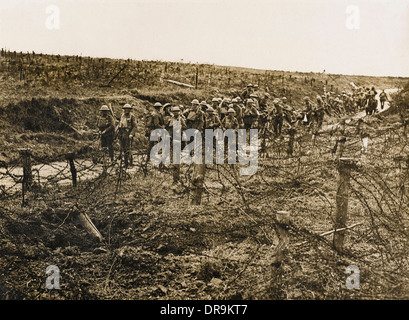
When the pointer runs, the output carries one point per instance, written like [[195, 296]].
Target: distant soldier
[[127, 124], [106, 126], [363, 129], [288, 112], [319, 112], [245, 94], [382, 98], [370, 101], [307, 111], [277, 117]]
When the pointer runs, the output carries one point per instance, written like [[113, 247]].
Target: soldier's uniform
[[382, 98], [106, 126], [195, 118], [230, 121], [277, 117], [127, 124]]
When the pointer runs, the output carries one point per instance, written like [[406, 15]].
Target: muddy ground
[[158, 246]]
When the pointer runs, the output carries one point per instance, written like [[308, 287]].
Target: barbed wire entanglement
[[239, 210]]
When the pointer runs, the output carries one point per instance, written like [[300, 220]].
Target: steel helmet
[[234, 100], [215, 99], [249, 101], [195, 101], [276, 100], [203, 103], [166, 105], [284, 99], [157, 105], [127, 106], [249, 85], [306, 98], [175, 108], [210, 109], [104, 108], [231, 110]]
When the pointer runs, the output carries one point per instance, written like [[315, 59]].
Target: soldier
[[277, 117], [382, 98], [167, 115], [370, 101], [250, 114], [288, 111], [212, 120], [362, 129], [319, 112], [126, 126], [216, 105], [154, 120], [239, 112], [245, 94], [106, 126], [307, 111], [230, 121], [224, 107], [195, 118]]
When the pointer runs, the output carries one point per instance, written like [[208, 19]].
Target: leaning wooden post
[[341, 213], [87, 224], [70, 158], [27, 172]]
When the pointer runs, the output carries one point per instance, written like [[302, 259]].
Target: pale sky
[[290, 35]]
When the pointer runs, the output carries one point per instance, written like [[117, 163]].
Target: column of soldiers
[[250, 109]]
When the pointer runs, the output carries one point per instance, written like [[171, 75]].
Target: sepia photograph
[[217, 151]]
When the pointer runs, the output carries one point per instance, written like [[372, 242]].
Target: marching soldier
[[127, 124], [106, 126], [230, 121], [277, 117], [195, 118], [382, 98]]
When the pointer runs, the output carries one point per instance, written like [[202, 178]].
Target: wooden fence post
[[70, 158], [341, 213], [199, 171], [27, 172]]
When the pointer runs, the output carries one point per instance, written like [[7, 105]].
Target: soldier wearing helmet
[[277, 117], [245, 94], [212, 120], [195, 118], [127, 124], [216, 106], [167, 115], [230, 121], [106, 126], [250, 114]]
